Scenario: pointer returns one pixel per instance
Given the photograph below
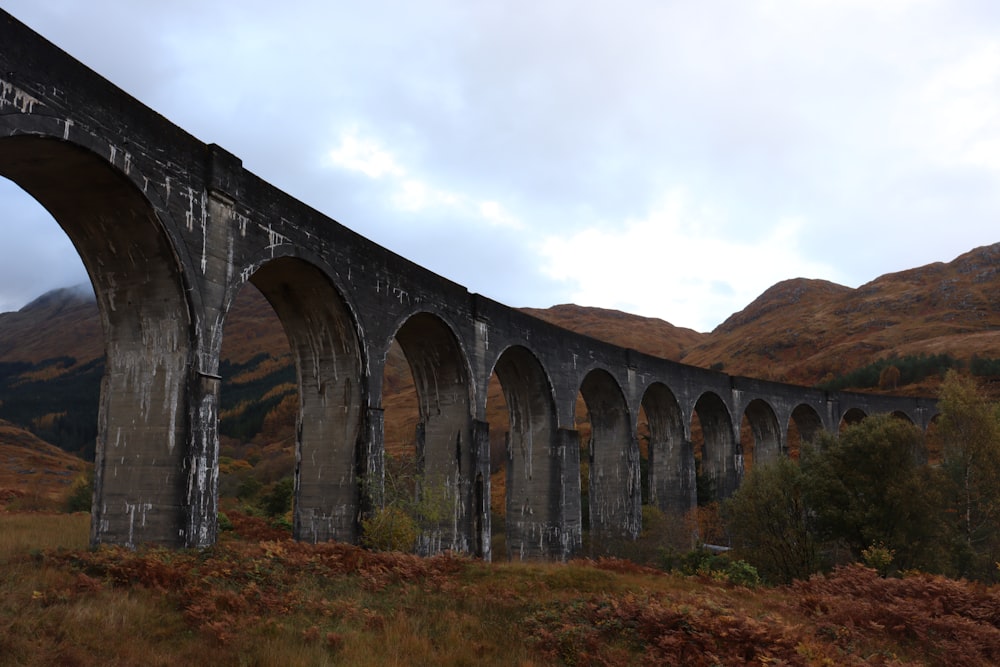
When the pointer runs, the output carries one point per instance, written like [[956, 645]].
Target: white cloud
[[364, 155], [495, 213], [674, 264], [954, 117], [409, 193]]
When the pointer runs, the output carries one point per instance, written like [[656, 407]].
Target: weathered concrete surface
[[170, 229]]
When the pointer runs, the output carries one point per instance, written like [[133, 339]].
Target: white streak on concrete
[[11, 95]]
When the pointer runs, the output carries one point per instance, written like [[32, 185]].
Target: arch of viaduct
[[170, 229]]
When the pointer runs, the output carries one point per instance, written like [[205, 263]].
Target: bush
[[278, 499], [81, 494], [878, 557], [716, 566], [390, 529]]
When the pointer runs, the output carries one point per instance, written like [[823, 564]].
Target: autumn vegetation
[[872, 494], [861, 552], [877, 545], [259, 598]]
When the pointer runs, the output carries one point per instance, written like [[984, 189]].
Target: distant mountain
[[804, 331], [60, 323]]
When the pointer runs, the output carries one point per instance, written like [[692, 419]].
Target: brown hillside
[[34, 473], [803, 331], [63, 322], [643, 334], [251, 328]]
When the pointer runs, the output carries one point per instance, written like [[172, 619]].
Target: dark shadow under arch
[[615, 491], [322, 335], [533, 508], [804, 426], [671, 460], [851, 417], [766, 432], [899, 414], [444, 445], [721, 464]]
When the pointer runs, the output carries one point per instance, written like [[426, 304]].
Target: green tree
[[278, 500], [866, 486], [770, 524], [969, 431], [81, 494]]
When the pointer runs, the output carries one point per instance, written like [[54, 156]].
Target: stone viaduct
[[170, 229]]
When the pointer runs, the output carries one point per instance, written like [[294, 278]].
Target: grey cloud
[[570, 115]]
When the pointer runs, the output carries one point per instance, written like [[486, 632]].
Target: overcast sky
[[670, 159]]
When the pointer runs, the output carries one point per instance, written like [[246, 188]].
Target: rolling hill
[[804, 331], [33, 473]]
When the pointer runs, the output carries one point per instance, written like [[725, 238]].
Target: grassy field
[[258, 598]]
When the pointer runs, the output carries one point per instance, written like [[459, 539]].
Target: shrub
[[81, 494], [224, 522], [716, 566], [390, 529], [878, 557], [278, 499]]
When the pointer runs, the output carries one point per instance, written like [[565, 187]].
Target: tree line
[[894, 370], [869, 494]]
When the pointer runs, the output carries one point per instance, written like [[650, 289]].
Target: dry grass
[[259, 598], [22, 532]]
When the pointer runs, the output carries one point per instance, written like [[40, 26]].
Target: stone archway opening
[[498, 417], [51, 356], [643, 442], [327, 401], [719, 460], [803, 427], [258, 407], [443, 493], [851, 417], [533, 511], [142, 455], [670, 469], [613, 476], [717, 464], [401, 417], [899, 414], [760, 435]]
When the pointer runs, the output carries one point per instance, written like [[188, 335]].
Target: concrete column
[[570, 521], [371, 458], [201, 463], [481, 520], [153, 478], [633, 490]]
